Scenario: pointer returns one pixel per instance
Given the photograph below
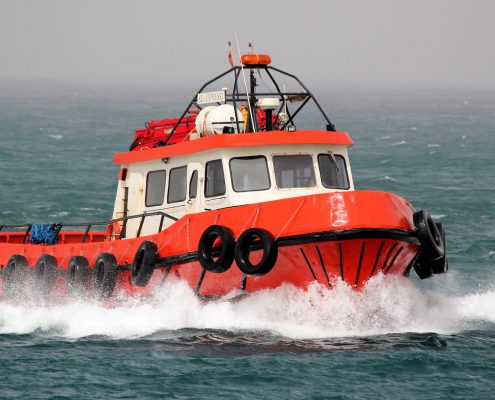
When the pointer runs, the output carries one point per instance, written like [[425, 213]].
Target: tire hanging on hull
[[225, 253], [77, 276], [14, 275], [144, 263], [431, 235], [254, 239], [45, 273], [104, 275]]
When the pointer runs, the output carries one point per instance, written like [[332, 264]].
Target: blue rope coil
[[44, 234]]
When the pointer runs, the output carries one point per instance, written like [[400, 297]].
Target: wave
[[386, 305]]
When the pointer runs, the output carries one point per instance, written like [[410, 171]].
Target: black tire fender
[[422, 268], [441, 265], [252, 239], [77, 275], [104, 275], [432, 246], [144, 263], [206, 251], [45, 273], [14, 275]]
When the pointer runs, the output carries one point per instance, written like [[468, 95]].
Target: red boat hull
[[345, 235]]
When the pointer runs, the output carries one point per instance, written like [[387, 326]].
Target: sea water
[[397, 338]]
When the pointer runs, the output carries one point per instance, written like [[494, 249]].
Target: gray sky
[[386, 43]]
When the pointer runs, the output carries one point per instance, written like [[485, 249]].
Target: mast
[[252, 102]]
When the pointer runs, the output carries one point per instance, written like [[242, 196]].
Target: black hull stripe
[[389, 253], [377, 258], [200, 280], [323, 266], [393, 260], [341, 256], [395, 234], [307, 262], [360, 263]]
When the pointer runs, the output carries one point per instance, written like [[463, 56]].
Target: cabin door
[[135, 201], [194, 188], [183, 194]]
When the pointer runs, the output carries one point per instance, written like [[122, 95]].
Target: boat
[[232, 196]]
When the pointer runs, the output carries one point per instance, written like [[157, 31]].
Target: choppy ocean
[[399, 338]]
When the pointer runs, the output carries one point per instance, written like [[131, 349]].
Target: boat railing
[[237, 95], [89, 225]]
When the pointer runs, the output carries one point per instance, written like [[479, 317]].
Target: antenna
[[245, 84]]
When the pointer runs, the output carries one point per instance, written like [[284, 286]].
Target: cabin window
[[215, 179], [177, 185], [155, 188], [294, 171], [193, 185], [249, 174], [333, 171]]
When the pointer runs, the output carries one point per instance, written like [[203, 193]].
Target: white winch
[[214, 120]]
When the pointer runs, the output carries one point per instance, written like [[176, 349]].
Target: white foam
[[385, 305], [60, 214]]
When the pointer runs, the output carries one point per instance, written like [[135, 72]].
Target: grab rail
[[88, 225]]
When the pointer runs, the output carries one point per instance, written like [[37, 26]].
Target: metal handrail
[[88, 225], [239, 96]]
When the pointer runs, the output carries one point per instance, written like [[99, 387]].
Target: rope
[[188, 235], [124, 253], [218, 217], [254, 213], [179, 230], [289, 221], [65, 258]]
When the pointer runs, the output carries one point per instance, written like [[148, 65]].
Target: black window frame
[[170, 181], [195, 173], [206, 179], [337, 156], [164, 188], [253, 190]]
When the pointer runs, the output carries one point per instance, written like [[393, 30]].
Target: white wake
[[385, 305]]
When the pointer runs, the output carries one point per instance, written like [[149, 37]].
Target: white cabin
[[221, 177]]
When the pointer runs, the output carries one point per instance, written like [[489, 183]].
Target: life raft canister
[[216, 241], [256, 239], [144, 263], [104, 275]]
